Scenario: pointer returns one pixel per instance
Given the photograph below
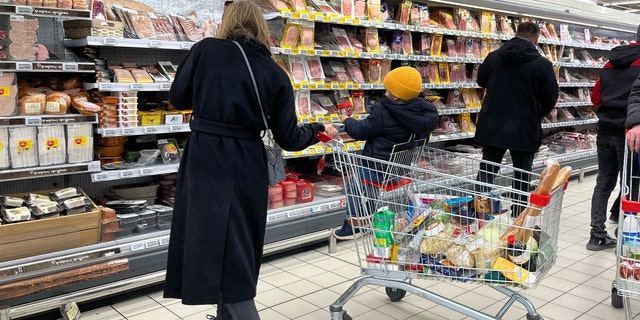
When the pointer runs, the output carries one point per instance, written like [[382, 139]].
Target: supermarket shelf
[[136, 131], [574, 104], [118, 87], [569, 123], [110, 175], [61, 13], [48, 66], [129, 43], [49, 171], [334, 85], [577, 84], [452, 136], [304, 210], [339, 19], [46, 119], [573, 156], [458, 111]]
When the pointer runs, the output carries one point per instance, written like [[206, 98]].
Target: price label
[[69, 66], [176, 129], [137, 86], [350, 54], [33, 121], [128, 131], [155, 44], [24, 66], [286, 50], [137, 246], [100, 176], [152, 243], [186, 45], [164, 241], [109, 41], [165, 86], [126, 173], [105, 86], [304, 16], [146, 172], [271, 218], [303, 51], [150, 130], [109, 132]]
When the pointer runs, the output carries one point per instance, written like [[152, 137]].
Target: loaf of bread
[[71, 83], [32, 104], [57, 103]]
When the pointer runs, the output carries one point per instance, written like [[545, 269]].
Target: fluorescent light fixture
[[608, 4]]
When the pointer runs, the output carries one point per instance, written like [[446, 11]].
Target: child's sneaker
[[347, 232]]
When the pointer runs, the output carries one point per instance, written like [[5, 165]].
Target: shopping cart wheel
[[345, 316], [395, 294], [616, 300], [534, 316]]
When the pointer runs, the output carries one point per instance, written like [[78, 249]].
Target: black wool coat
[[217, 232], [521, 89]]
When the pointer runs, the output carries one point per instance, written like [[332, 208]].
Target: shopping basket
[[627, 282], [442, 223]]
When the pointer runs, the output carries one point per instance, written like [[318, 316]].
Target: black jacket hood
[[518, 51], [623, 56], [411, 115]]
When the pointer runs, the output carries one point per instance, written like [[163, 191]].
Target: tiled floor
[[302, 286]]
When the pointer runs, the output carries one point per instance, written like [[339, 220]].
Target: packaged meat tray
[[127, 223]]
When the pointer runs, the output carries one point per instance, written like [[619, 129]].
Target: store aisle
[[302, 286]]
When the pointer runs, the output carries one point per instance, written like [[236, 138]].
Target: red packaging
[[305, 191]]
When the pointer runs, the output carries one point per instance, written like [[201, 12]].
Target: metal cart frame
[[427, 171]]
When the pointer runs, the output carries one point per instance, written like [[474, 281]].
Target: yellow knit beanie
[[404, 83]]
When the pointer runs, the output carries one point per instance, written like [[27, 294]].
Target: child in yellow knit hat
[[401, 115]]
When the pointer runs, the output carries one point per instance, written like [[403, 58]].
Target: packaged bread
[[32, 104], [57, 103], [71, 83]]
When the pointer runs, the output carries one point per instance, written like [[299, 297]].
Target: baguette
[[545, 185]]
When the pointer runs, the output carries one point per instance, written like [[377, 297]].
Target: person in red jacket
[[609, 96]]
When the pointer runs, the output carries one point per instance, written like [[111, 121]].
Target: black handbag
[[275, 161]]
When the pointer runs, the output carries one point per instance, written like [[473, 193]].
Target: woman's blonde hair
[[244, 18]]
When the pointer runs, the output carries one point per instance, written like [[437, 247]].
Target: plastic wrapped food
[[460, 256]]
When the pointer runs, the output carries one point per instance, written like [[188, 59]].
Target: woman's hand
[[331, 130], [633, 138]]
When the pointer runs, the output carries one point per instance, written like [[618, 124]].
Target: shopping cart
[[428, 217], [627, 282]]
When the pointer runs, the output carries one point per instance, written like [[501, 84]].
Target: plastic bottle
[[517, 253], [630, 228]]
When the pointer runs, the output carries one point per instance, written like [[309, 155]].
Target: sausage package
[[8, 94]]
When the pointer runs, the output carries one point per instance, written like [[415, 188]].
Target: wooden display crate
[[30, 238]]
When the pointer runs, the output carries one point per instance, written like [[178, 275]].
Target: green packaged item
[[383, 225]]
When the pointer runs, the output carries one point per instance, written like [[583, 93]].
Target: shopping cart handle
[[324, 137]]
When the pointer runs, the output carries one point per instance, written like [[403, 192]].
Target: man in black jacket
[[610, 97], [521, 88]]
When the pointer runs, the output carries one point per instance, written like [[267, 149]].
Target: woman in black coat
[[218, 226]]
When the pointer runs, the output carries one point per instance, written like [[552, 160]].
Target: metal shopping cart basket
[[627, 282], [425, 215]]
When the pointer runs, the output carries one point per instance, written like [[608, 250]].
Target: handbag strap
[[255, 87]]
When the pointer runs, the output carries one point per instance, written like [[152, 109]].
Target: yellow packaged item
[[436, 45], [150, 118], [291, 35]]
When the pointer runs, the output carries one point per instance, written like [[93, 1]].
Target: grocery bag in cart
[[430, 218], [627, 282]]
